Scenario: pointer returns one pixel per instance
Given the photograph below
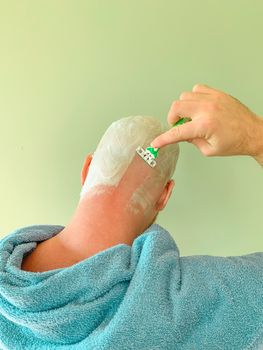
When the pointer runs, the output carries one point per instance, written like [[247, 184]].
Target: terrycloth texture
[[143, 297]]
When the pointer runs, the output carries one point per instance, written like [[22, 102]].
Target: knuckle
[[212, 106], [183, 95], [175, 104], [197, 87], [176, 132], [218, 97]]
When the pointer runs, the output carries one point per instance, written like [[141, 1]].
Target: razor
[[150, 153]]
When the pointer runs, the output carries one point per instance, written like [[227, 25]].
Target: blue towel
[[143, 296]]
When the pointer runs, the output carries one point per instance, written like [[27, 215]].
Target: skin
[[221, 125], [90, 230]]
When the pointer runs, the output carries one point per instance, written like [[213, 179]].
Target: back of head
[[117, 149]]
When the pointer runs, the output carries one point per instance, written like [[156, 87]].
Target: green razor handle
[[154, 151]]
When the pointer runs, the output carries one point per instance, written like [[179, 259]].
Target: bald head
[[112, 160]]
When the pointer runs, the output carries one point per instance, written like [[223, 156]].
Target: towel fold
[[143, 296]]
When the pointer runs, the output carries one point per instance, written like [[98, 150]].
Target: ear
[[85, 168], [166, 194]]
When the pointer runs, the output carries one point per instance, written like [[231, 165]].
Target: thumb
[[180, 133]]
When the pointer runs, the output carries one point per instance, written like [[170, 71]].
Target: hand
[[221, 125]]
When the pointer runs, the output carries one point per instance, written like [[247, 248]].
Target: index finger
[[185, 132]]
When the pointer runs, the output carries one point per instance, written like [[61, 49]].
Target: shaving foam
[[117, 148]]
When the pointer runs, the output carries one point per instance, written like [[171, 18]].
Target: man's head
[[116, 165]]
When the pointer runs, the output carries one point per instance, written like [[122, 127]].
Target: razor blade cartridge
[[147, 156]]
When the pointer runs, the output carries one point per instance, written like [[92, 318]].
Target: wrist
[[258, 155]]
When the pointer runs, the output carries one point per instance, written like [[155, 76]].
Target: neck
[[101, 222]]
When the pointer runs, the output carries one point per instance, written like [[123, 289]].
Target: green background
[[70, 68]]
